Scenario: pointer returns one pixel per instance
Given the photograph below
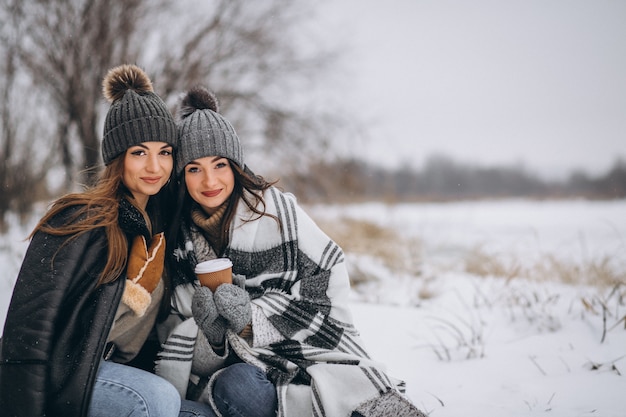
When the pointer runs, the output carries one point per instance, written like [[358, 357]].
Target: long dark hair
[[248, 189]]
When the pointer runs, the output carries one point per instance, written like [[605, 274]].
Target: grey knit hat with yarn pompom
[[202, 131], [136, 114]]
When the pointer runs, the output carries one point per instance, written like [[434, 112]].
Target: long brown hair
[[97, 207]]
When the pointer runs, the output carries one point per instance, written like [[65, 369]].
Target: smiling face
[[147, 168], [210, 181]]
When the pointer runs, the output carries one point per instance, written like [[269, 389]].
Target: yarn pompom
[[198, 98], [123, 78]]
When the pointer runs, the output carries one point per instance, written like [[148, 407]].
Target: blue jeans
[[121, 390], [241, 390]]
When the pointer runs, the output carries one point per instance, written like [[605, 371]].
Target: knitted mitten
[[239, 281], [144, 270], [207, 317], [233, 303]]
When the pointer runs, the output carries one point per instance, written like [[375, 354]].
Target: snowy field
[[523, 343], [471, 345]]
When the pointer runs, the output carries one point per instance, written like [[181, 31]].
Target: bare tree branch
[[249, 53]]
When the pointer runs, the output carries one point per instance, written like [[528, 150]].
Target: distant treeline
[[442, 178]]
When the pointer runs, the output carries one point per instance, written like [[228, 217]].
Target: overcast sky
[[491, 82]]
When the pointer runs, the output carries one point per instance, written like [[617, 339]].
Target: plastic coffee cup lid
[[213, 265]]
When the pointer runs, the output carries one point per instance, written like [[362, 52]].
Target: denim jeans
[[195, 409], [244, 390], [122, 390]]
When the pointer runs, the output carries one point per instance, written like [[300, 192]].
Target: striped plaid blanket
[[303, 336]]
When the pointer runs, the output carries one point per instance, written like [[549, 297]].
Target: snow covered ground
[[490, 346], [470, 345]]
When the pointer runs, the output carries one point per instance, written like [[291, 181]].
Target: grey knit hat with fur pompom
[[136, 114], [202, 131]]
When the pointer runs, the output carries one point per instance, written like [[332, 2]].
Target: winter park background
[[468, 156], [487, 308]]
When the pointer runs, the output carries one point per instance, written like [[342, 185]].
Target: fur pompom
[[123, 78], [198, 98]]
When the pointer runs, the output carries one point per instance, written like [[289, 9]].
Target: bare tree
[[24, 165], [254, 55], [66, 45], [247, 52]]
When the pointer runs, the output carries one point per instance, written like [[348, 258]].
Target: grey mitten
[[233, 303], [239, 280], [207, 317]]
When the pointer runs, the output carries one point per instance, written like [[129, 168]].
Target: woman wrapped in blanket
[[279, 339]]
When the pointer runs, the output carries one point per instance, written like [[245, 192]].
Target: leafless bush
[[603, 272], [536, 307], [25, 157], [464, 335], [540, 407], [479, 262], [397, 253], [610, 307]]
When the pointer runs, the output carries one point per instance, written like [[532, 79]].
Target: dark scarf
[[131, 220]]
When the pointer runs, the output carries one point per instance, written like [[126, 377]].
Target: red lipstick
[[211, 193]]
